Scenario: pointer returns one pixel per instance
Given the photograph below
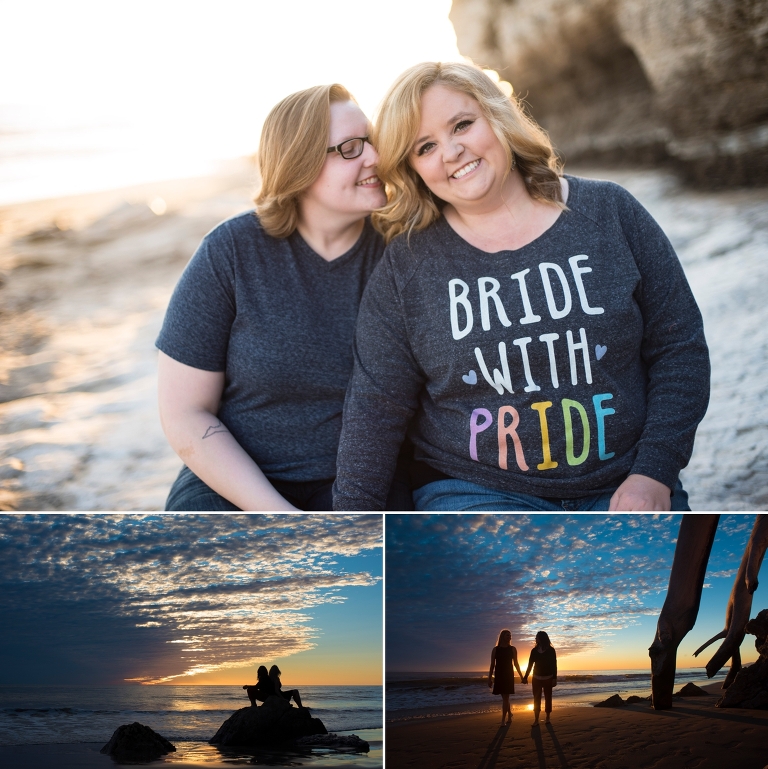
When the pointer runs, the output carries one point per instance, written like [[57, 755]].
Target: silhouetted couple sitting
[[269, 685]]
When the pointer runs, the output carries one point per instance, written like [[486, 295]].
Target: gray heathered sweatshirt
[[279, 320], [554, 370]]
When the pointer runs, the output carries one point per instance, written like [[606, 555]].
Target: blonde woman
[[501, 676], [536, 330], [255, 350]]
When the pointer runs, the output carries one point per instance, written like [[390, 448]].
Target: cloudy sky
[[98, 599], [595, 583]]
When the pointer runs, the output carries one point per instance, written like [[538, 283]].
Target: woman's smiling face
[[344, 186], [456, 152]]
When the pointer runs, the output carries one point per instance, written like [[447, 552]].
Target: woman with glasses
[[256, 346], [535, 330]]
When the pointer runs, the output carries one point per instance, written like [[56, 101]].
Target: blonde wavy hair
[[411, 206], [292, 151]]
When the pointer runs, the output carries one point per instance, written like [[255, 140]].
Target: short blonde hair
[[411, 205], [292, 151]]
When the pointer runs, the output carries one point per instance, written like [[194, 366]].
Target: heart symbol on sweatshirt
[[471, 378], [600, 350]]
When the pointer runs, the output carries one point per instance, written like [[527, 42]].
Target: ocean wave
[[449, 684], [86, 711]]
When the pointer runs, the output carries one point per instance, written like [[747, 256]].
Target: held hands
[[639, 492]]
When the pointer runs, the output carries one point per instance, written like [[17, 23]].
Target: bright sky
[[206, 56], [191, 599], [595, 583], [182, 83]]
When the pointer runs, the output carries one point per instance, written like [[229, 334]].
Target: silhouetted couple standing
[[269, 685], [543, 660]]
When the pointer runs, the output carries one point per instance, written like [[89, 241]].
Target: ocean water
[[49, 153], [414, 695], [64, 714]]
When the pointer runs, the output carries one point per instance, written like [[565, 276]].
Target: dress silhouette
[[503, 657], [504, 682]]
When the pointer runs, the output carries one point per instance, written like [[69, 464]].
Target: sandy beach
[[693, 734], [84, 283], [85, 280]]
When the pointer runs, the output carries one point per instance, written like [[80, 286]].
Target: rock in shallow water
[[273, 722], [344, 742], [136, 742]]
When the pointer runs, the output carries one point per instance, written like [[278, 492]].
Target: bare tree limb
[[740, 603], [681, 606], [721, 634]]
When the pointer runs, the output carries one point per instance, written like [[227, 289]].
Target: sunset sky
[[190, 599], [595, 583]]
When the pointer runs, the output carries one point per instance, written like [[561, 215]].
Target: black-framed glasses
[[351, 148]]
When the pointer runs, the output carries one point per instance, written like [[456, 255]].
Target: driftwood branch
[[721, 634], [740, 603], [758, 544], [681, 606]]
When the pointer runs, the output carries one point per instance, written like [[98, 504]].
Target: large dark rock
[[135, 743], [691, 690], [750, 687], [276, 721], [611, 702], [638, 80]]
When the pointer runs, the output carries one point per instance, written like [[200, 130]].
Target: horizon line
[[694, 667]]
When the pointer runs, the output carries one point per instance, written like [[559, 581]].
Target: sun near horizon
[[312, 668]]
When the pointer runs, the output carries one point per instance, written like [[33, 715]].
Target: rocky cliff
[[637, 80]]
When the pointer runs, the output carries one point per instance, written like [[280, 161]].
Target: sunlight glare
[[158, 206], [117, 101]]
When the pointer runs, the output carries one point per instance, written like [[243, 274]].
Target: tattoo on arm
[[213, 429]]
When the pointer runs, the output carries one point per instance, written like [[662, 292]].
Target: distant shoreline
[[443, 695]]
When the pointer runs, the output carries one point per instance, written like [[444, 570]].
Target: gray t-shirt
[[554, 370], [279, 320]]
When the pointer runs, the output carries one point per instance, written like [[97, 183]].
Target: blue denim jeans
[[189, 494], [452, 495]]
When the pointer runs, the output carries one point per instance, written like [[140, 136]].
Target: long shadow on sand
[[488, 761], [678, 712], [558, 749], [536, 737]]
